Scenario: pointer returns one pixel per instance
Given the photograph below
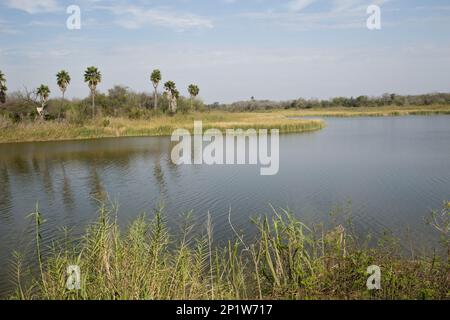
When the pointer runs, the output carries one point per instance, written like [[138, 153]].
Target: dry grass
[[157, 126], [370, 112], [163, 125]]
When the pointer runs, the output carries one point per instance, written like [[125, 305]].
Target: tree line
[[93, 77], [387, 99]]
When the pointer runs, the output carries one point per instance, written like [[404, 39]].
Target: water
[[393, 170]]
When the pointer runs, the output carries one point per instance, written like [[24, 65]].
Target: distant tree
[[193, 92], [118, 96], [172, 95], [92, 77], [362, 101], [155, 78], [387, 99], [43, 93], [63, 81], [3, 88]]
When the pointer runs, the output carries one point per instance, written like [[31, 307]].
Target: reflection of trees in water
[[37, 165], [158, 173], [96, 188], [67, 194], [19, 165], [118, 153], [47, 180], [43, 167], [5, 194], [173, 168]]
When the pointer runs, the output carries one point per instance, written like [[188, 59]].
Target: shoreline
[[287, 121], [161, 126], [387, 111]]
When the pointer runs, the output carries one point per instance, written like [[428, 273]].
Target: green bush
[[76, 115]]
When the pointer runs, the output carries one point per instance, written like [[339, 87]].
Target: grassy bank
[[163, 125], [286, 260], [370, 112], [158, 126]]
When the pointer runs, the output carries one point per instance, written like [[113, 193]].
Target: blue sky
[[233, 49]]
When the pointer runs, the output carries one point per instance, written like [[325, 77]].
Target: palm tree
[[3, 88], [172, 94], [92, 77], [63, 80], [155, 78], [43, 92], [193, 91]]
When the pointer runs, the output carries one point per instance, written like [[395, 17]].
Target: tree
[[63, 81], [172, 95], [3, 88], [92, 77], [193, 92], [43, 92], [155, 78]]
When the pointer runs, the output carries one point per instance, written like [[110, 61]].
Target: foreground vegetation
[[286, 260], [159, 125]]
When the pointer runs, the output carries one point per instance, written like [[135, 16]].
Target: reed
[[287, 260], [386, 111], [159, 125]]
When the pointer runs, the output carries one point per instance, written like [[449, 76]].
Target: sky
[[233, 49]]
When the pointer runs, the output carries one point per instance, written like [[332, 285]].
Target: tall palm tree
[[43, 92], [3, 88], [92, 77], [155, 78], [63, 80], [172, 94], [193, 91]]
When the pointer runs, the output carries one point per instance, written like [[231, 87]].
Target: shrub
[[76, 115]]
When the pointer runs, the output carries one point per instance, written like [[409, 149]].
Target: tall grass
[[159, 125], [370, 111], [286, 260], [79, 127]]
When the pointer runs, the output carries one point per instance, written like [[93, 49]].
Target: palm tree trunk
[[174, 105], [155, 98], [62, 106], [93, 103], [43, 110]]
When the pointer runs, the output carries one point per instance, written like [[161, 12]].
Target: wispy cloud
[[33, 6], [6, 28], [297, 5], [134, 17], [339, 14]]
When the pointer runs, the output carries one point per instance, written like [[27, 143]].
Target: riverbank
[[288, 260], [163, 125], [158, 126], [387, 111]]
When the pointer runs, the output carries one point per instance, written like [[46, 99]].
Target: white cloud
[[298, 5], [33, 6], [6, 28], [341, 14], [133, 17]]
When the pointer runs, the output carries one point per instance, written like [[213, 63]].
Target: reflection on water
[[394, 170]]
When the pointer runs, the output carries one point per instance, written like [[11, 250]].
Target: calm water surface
[[389, 172]]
